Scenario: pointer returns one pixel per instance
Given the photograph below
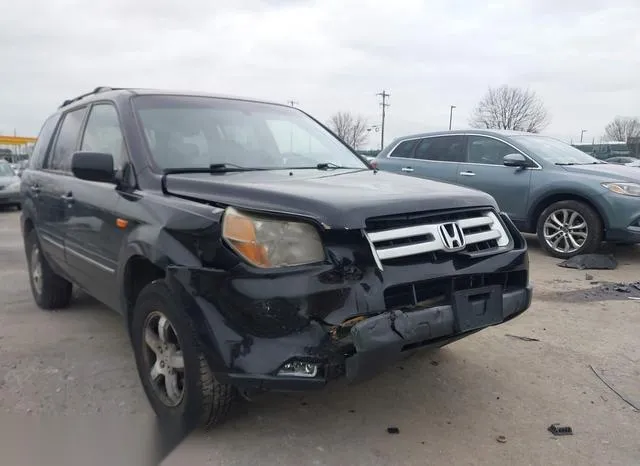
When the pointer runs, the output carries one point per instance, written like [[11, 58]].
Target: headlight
[[270, 243], [13, 187], [627, 189]]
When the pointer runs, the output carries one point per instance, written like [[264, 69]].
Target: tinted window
[[441, 149], [488, 150], [42, 143], [60, 158], [405, 149], [195, 132], [103, 134]]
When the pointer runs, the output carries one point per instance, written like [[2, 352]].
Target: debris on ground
[[591, 261], [434, 363], [636, 285], [617, 392], [393, 430], [521, 338], [501, 439], [557, 429], [588, 277], [621, 288]]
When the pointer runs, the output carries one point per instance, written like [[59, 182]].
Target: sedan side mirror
[[516, 160], [93, 166]]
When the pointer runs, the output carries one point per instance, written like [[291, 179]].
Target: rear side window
[[405, 149], [441, 149], [67, 140], [43, 142]]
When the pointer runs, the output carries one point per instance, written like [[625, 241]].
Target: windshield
[[197, 132], [554, 151], [6, 170]]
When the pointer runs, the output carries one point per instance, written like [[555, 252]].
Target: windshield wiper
[[211, 169], [566, 163]]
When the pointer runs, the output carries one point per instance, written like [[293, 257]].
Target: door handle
[[68, 197], [467, 174], [407, 169]]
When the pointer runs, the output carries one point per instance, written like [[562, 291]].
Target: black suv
[[249, 249]]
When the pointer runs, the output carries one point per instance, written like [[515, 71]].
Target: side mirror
[[516, 160], [93, 166]]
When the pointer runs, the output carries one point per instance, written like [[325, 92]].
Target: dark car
[[9, 186], [570, 199], [250, 249]]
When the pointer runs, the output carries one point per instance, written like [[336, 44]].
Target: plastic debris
[[591, 261], [522, 338], [393, 430], [557, 429], [501, 439]]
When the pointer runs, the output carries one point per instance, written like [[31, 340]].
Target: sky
[[581, 57]]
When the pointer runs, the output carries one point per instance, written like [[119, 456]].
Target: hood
[[338, 198], [607, 171], [9, 180]]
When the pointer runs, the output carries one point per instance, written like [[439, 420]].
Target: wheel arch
[[551, 198]]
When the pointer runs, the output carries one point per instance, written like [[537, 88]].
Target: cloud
[[330, 55]]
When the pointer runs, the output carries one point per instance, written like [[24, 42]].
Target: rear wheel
[[50, 291], [569, 228], [174, 373]]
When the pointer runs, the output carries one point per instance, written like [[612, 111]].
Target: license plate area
[[478, 307]]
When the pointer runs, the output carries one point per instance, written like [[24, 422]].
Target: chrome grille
[[482, 231]]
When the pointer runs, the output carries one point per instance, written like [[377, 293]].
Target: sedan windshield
[[199, 132], [554, 151], [6, 170]]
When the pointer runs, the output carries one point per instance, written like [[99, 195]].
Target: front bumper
[[251, 323], [9, 197]]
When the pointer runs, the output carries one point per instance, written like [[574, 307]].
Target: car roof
[[103, 92], [487, 132]]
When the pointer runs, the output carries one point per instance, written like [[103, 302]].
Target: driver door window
[[488, 151]]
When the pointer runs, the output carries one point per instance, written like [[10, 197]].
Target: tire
[[203, 402], [50, 291], [588, 238]]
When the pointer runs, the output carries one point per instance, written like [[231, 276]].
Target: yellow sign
[[16, 140]]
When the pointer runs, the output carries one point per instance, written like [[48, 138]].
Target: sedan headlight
[[13, 187], [627, 189], [270, 243]]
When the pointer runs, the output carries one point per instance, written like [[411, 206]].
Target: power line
[[384, 106]]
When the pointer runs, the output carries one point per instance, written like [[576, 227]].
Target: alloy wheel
[[165, 362], [565, 231]]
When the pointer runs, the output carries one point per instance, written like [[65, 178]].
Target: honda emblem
[[452, 236]]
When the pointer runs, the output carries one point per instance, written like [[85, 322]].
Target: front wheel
[[174, 373], [569, 228]]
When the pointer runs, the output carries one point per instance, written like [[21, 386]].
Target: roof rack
[[97, 90]]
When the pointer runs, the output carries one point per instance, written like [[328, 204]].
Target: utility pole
[[293, 103], [384, 106], [582, 134], [451, 115]]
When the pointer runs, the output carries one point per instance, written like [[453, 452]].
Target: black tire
[[204, 401], [594, 231], [50, 291]]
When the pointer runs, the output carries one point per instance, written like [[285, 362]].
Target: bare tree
[[510, 108], [352, 129], [623, 128]]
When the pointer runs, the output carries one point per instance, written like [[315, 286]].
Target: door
[[93, 236], [484, 170], [432, 157], [51, 185]]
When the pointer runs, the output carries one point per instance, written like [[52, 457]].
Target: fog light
[[299, 369]]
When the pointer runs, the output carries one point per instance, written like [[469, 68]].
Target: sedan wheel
[[569, 228], [565, 231]]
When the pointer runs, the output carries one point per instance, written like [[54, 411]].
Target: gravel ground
[[450, 406]]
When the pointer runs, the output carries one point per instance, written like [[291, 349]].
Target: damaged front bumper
[[352, 323]]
